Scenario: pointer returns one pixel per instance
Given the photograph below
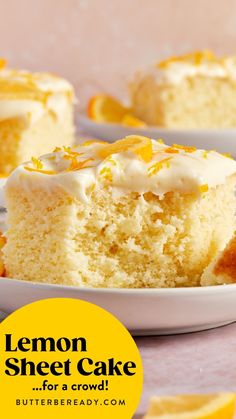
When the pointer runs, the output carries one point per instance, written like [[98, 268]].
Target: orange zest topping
[[89, 142], [196, 58], [105, 108], [67, 149], [131, 121], [57, 149], [141, 146], [112, 161], [71, 156], [45, 172], [71, 153], [205, 154], [188, 149], [38, 167], [37, 163], [77, 165], [228, 155], [3, 63], [156, 167], [74, 165], [160, 141], [203, 188], [171, 150], [52, 158], [90, 189], [106, 173]]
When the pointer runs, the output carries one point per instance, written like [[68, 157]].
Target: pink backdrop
[[98, 44]]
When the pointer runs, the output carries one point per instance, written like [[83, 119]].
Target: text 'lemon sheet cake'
[[36, 114], [135, 213], [196, 90]]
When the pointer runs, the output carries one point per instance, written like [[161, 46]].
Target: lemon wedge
[[211, 406]]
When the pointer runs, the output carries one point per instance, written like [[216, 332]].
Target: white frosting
[[47, 92], [33, 110], [46, 82], [186, 172], [51, 83], [177, 71]]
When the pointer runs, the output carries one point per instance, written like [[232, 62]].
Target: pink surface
[[98, 44], [202, 362]]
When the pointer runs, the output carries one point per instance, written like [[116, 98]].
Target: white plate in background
[[222, 140], [142, 311]]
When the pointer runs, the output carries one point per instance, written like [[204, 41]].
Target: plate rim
[[129, 291], [82, 117]]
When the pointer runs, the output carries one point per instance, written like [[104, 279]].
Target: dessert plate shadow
[[222, 140], [142, 311]]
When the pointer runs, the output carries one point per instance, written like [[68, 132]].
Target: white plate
[[142, 311], [223, 140]]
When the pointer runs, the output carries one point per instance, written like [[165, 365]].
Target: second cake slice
[[36, 114]]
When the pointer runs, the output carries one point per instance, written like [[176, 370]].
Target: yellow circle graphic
[[67, 358]]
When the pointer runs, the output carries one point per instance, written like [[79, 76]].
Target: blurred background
[[99, 44]]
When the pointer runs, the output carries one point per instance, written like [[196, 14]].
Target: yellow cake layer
[[19, 142], [130, 241]]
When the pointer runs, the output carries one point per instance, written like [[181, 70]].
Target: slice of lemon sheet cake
[[36, 114], [134, 213], [222, 270], [196, 90]]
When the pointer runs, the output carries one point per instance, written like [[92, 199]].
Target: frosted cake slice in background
[[222, 270], [36, 114], [135, 213], [196, 90]]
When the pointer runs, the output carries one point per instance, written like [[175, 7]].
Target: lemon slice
[[141, 146], [104, 108], [3, 63], [211, 406], [131, 121]]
